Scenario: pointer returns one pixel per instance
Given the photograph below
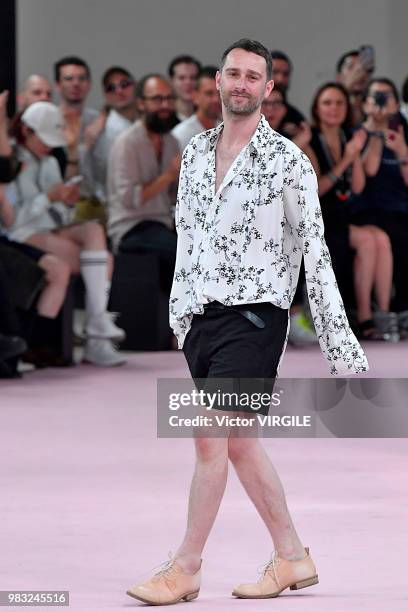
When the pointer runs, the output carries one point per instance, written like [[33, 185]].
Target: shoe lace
[[270, 565], [164, 570]]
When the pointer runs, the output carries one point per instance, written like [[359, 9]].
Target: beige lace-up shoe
[[278, 575], [168, 586]]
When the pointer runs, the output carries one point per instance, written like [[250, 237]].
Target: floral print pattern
[[244, 243]]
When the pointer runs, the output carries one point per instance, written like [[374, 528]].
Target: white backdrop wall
[[144, 35]]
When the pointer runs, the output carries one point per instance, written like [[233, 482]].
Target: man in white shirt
[[208, 104], [247, 209]]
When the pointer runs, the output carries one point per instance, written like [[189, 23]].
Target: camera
[[380, 98]]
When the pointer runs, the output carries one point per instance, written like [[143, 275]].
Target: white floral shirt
[[244, 243]]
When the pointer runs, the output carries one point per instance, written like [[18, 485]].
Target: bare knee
[[58, 271], [382, 240], [210, 449], [363, 240], [240, 447]]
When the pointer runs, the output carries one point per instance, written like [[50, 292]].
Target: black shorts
[[222, 343], [27, 249]]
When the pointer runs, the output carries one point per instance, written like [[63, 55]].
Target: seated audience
[[119, 89], [208, 109], [183, 73], [404, 103], [42, 218], [274, 108], [384, 202], [143, 168], [336, 157]]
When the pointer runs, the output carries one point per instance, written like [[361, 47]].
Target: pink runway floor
[[91, 500]]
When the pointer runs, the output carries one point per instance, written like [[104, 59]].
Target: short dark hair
[[332, 85], [115, 70], [342, 59], [142, 83], [70, 60], [280, 55], [383, 81], [252, 46], [182, 59], [207, 72]]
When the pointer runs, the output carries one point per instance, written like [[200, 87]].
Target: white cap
[[46, 121]]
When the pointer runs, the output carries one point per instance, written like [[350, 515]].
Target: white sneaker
[[101, 352], [103, 326]]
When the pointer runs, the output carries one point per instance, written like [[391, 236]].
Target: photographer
[[354, 70], [384, 202]]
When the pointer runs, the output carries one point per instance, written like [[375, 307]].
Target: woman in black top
[[335, 155]]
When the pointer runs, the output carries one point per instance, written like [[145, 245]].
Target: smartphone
[[74, 180], [394, 122], [367, 57]]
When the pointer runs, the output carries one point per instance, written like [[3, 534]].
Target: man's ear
[[217, 80], [269, 87]]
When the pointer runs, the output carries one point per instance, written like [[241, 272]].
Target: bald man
[[37, 88]]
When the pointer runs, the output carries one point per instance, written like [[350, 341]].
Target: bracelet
[[333, 177], [403, 161]]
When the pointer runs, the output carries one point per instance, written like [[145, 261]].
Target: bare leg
[[53, 294], [57, 245], [362, 240], [262, 483], [88, 236], [206, 492], [383, 268]]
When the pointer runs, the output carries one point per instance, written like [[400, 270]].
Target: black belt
[[251, 316]]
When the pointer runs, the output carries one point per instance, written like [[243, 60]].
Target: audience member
[[37, 88], [183, 73], [208, 108], [281, 73], [274, 108], [384, 202], [42, 208], [143, 167], [335, 154], [353, 72], [121, 111]]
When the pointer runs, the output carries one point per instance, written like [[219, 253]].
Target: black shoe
[[11, 346]]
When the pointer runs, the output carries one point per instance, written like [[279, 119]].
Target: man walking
[[247, 210]]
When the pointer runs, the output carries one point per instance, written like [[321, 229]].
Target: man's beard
[[248, 108], [160, 125]]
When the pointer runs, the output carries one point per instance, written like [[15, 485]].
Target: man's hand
[[69, 194], [94, 129], [173, 170]]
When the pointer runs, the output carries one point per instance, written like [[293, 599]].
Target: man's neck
[[184, 107], [239, 129], [206, 122], [72, 109], [130, 112]]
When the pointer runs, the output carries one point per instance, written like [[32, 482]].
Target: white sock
[[94, 270]]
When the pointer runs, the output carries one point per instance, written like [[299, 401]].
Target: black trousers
[[153, 237], [224, 344]]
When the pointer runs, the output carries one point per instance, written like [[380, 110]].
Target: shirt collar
[[261, 135]]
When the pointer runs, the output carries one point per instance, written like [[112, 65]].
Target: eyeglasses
[[160, 99], [123, 84]]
